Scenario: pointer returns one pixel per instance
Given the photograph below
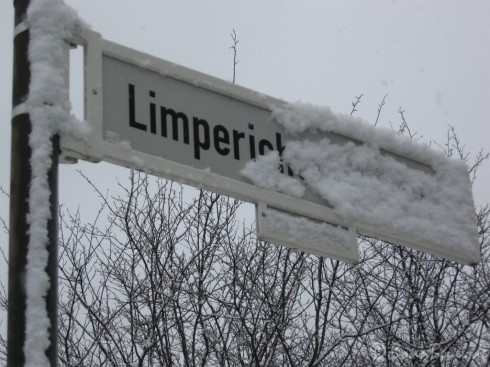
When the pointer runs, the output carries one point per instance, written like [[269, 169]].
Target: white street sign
[[152, 115]]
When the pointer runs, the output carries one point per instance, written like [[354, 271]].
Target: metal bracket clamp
[[18, 110], [21, 28]]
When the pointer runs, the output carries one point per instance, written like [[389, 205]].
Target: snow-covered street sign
[[294, 161]]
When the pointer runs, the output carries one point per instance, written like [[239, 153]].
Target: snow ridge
[[368, 186], [51, 22]]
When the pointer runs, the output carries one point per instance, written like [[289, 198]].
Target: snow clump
[[50, 22]]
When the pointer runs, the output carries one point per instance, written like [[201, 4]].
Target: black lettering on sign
[[221, 136], [175, 117], [153, 115], [252, 142], [237, 136], [132, 112], [204, 134], [200, 142]]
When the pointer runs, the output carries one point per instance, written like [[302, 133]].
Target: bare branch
[[380, 108], [404, 128], [234, 48], [355, 103]]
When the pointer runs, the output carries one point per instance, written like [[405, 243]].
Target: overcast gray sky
[[431, 59]]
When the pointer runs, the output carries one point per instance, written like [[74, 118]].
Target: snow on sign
[[295, 161]]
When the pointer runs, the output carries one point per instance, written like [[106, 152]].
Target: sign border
[[95, 149]]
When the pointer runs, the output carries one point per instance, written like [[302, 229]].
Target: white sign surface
[[152, 115], [185, 123]]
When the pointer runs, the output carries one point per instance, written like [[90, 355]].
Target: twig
[[380, 107], [404, 126], [234, 48], [355, 103]]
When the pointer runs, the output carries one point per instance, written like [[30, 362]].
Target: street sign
[[313, 236], [152, 115]]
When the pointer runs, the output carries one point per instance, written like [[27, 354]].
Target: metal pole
[[20, 177]]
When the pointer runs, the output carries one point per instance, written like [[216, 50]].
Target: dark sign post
[[20, 178]]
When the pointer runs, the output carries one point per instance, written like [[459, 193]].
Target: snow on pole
[[51, 23]]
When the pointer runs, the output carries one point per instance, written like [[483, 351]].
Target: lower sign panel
[[313, 236]]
